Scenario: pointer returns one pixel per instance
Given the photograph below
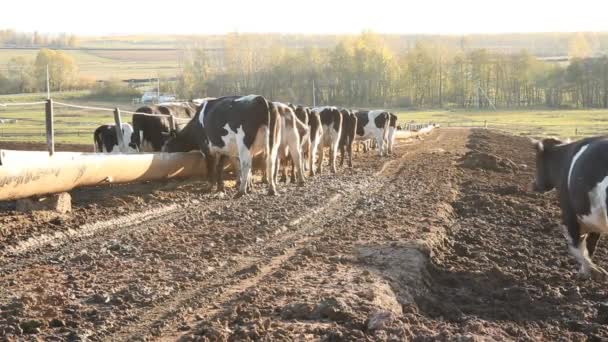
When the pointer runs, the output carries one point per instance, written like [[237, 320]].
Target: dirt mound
[[486, 161]]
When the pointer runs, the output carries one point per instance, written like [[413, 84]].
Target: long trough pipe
[[30, 173], [26, 173]]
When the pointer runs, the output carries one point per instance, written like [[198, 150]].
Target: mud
[[426, 245]]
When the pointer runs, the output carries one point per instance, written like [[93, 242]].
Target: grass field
[[562, 123], [77, 126]]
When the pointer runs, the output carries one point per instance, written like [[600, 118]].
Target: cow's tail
[[274, 136]]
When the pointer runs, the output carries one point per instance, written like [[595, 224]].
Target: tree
[[579, 46], [63, 70]]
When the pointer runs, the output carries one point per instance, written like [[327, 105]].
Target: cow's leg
[[333, 152], [592, 240], [342, 149], [245, 159], [577, 245], [349, 149], [296, 160], [211, 170], [284, 165], [366, 146], [220, 173], [271, 157], [320, 157], [311, 158], [380, 144], [293, 169]]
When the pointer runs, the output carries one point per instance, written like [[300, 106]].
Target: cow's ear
[[538, 144], [173, 133]]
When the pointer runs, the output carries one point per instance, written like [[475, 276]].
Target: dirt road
[[431, 244]]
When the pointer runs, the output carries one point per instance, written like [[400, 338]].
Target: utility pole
[[314, 98]]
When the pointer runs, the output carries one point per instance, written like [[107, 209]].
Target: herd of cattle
[[250, 126], [247, 126]]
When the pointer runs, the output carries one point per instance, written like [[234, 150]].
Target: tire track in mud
[[243, 260], [162, 323]]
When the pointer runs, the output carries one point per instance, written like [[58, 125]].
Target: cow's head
[[172, 142], [135, 141], [545, 169]]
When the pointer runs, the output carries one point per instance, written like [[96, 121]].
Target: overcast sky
[[310, 16]]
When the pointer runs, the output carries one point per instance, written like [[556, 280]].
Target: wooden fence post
[[575, 131], [118, 127], [50, 132], [485, 124], [172, 127]]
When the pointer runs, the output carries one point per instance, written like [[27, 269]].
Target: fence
[[49, 130]]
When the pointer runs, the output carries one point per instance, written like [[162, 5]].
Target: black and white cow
[[347, 136], [316, 131], [106, 141], [373, 125], [579, 171], [331, 123], [392, 127], [293, 133], [151, 132], [233, 126]]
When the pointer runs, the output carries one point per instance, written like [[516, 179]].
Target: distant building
[[153, 97]]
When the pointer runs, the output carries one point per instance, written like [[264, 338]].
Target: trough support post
[[50, 132], [118, 127]]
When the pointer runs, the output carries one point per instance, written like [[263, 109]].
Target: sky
[[109, 17]]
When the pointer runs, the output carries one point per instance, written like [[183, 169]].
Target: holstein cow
[[347, 136], [293, 131], [233, 126], [151, 132], [316, 131], [579, 171], [373, 124], [331, 123], [106, 140], [392, 127]]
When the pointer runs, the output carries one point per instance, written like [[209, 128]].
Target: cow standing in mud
[[347, 136], [233, 126], [392, 128], [331, 124], [373, 125], [579, 171], [293, 133]]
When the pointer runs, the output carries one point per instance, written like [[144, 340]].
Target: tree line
[[365, 71], [35, 39]]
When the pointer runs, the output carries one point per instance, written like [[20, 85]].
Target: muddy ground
[[442, 241]]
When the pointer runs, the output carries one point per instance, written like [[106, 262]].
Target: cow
[[106, 141], [331, 124], [373, 124], [347, 136], [233, 126], [316, 131], [293, 132], [579, 171], [392, 127], [150, 132]]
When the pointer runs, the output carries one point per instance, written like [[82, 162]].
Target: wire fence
[[22, 122], [70, 127]]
